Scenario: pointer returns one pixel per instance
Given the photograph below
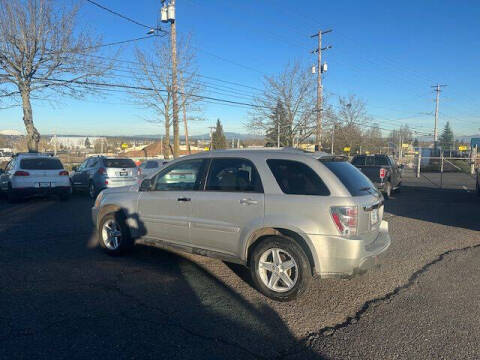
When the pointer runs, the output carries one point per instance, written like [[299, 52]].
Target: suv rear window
[[119, 163], [353, 179], [41, 164], [296, 178]]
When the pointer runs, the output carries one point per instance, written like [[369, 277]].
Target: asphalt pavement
[[60, 296]]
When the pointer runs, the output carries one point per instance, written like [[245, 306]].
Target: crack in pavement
[[351, 320]]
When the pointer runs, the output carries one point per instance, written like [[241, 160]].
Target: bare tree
[[155, 72], [42, 49], [294, 88], [350, 115]]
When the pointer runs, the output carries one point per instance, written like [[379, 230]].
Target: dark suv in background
[[382, 170], [99, 172]]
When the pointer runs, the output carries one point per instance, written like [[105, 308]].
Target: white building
[[75, 142]]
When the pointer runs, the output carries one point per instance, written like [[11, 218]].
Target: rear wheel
[[114, 236], [92, 191], [280, 269], [11, 196]]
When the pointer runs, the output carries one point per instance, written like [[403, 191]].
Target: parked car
[[99, 172], [382, 170], [29, 174], [148, 167], [285, 215]]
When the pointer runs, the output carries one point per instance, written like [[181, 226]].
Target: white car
[[149, 167], [29, 174]]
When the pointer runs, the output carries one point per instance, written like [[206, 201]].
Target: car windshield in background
[[152, 165], [119, 163], [353, 179], [41, 164]]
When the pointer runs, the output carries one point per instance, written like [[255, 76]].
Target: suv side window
[[233, 175], [296, 178], [187, 175], [82, 165]]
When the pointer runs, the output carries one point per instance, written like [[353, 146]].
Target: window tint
[[236, 175], [119, 163], [186, 175], [296, 178], [41, 164], [353, 179], [382, 160], [358, 160], [151, 164]]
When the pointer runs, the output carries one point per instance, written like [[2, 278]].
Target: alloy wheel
[[111, 234], [278, 270]]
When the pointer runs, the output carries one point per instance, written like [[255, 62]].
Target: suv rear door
[[120, 169], [232, 202], [44, 171]]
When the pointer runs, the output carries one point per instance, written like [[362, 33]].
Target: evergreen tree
[[87, 143], [218, 137], [447, 137], [415, 142], [279, 121]]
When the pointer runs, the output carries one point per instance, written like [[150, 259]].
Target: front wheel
[[114, 236], [280, 269]]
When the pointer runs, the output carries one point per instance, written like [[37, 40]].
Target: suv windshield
[[41, 164], [353, 179], [119, 163]]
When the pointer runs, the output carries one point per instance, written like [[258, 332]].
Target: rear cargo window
[[353, 179], [296, 178], [119, 163], [41, 164], [358, 160]]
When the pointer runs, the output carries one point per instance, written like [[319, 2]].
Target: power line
[[116, 13]]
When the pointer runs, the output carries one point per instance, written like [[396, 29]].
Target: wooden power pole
[[320, 70], [173, 44], [435, 129]]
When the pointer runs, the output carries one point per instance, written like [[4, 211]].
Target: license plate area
[[123, 173], [44, 184]]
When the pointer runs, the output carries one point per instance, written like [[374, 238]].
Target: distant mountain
[[465, 139], [228, 135], [10, 132]]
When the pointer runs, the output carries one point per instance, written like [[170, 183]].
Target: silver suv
[[100, 172], [284, 214]]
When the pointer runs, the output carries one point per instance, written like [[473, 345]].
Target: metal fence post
[[419, 163], [441, 170]]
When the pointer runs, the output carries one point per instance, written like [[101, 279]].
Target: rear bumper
[[339, 257], [109, 183], [32, 191]]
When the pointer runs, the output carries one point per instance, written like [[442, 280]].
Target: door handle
[[248, 202], [184, 199]]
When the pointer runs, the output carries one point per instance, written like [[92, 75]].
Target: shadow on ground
[[59, 298]]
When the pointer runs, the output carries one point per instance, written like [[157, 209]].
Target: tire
[[11, 196], [300, 272], [387, 190], [92, 191], [114, 245]]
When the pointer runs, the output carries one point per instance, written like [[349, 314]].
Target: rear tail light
[[101, 171], [21, 173], [63, 173], [345, 219], [383, 173]]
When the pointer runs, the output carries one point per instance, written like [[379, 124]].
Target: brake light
[[21, 173], [101, 171], [63, 173], [345, 219], [383, 173]]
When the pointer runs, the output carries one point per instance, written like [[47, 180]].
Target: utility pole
[[211, 136], [333, 137], [435, 131], [278, 134], [168, 15], [320, 69]]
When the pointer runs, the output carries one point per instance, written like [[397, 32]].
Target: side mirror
[[74, 168], [401, 166], [2, 171], [146, 185]]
